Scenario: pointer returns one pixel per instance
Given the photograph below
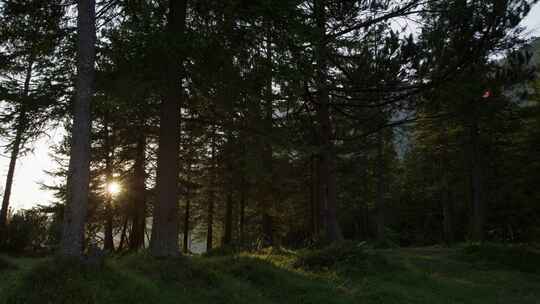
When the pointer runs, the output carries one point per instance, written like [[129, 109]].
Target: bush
[[347, 252], [391, 239], [27, 231], [223, 251]]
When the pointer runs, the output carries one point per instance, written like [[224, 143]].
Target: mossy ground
[[341, 274]]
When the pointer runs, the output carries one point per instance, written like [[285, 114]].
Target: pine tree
[[78, 174]]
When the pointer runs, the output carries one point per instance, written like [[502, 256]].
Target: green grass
[[344, 273], [509, 257], [12, 271]]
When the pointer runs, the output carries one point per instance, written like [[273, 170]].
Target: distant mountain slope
[[535, 50]]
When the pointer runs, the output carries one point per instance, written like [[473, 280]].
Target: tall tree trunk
[[164, 241], [108, 243], [447, 215], [268, 161], [364, 207], [15, 149], [365, 220], [311, 197], [243, 195], [186, 223], [187, 211], [478, 208], [123, 234], [447, 207], [381, 186], [187, 215], [210, 219], [79, 162], [320, 194], [243, 198], [210, 223], [229, 188], [139, 202], [328, 154], [227, 236]]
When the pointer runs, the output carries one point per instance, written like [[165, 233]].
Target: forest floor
[[341, 274]]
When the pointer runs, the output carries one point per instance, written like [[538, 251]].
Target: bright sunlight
[[114, 188]]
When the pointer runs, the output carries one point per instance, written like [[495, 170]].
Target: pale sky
[[532, 22], [29, 172]]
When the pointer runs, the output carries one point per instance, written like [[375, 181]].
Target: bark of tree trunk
[[269, 199], [243, 198], [380, 201], [139, 203], [227, 237], [164, 242], [11, 171], [312, 209], [318, 193], [123, 234], [364, 207], [317, 216], [108, 244], [79, 163], [187, 210], [186, 223], [210, 224], [15, 149], [328, 154], [447, 206], [365, 219], [210, 218], [322, 181], [478, 208], [229, 204], [447, 217]]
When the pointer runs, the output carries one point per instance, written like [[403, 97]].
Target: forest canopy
[[192, 125]]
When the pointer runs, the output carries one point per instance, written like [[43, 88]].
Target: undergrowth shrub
[[339, 253], [391, 239], [223, 251], [26, 232], [347, 256], [272, 250]]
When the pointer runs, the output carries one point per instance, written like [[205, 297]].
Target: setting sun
[[114, 188]]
